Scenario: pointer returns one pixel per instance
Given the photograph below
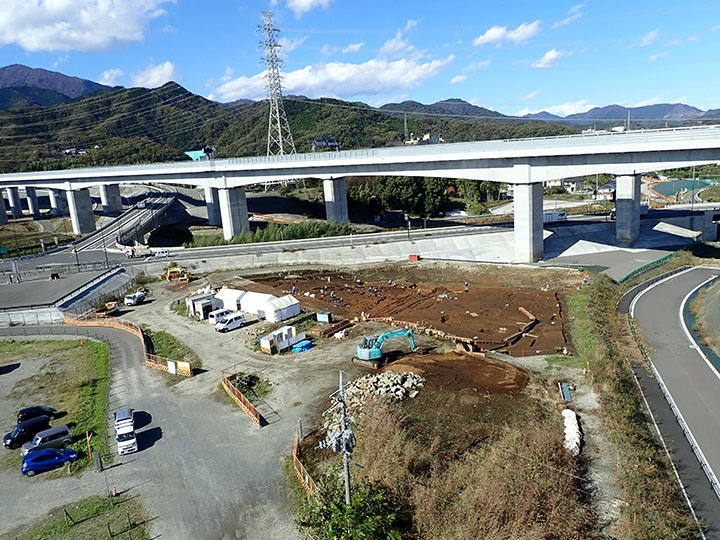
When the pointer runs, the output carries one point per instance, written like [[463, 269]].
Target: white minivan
[[215, 316], [162, 253], [230, 322]]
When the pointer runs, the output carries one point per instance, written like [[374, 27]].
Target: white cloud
[[563, 109], [651, 101], [327, 49], [474, 66], [573, 14], [550, 59], [301, 7], [76, 25], [61, 60], [110, 76], [155, 75], [529, 96], [290, 44], [648, 38], [674, 43], [658, 56], [399, 98], [342, 80], [458, 79], [681, 99], [353, 47], [715, 28], [229, 72], [501, 34], [397, 46]]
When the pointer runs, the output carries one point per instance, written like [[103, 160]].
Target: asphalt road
[[692, 383]]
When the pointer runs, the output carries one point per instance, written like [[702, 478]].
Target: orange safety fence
[[151, 360], [238, 397], [300, 471]]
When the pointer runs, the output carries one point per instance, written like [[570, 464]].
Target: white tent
[[257, 303], [229, 298], [280, 309]]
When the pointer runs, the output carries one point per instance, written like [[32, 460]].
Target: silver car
[[57, 437]]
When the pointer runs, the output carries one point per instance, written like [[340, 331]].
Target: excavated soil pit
[[484, 313], [457, 372]]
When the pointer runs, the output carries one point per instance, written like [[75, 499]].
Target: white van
[[230, 322], [125, 431], [162, 253], [135, 298], [215, 316]]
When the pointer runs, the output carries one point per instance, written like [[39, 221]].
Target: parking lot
[[203, 469]]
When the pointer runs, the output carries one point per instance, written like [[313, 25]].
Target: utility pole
[[345, 440]]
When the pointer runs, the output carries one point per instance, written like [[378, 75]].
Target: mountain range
[[43, 114]]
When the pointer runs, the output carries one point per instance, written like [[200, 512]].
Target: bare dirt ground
[[454, 371], [485, 312]]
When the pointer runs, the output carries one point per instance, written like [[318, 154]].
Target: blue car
[[47, 459]]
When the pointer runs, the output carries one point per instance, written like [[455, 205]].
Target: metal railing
[[678, 415]]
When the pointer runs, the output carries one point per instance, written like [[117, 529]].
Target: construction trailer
[[200, 306], [280, 339]]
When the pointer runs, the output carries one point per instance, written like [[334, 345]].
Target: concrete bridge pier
[[233, 211], [110, 199], [336, 210], [32, 201], [627, 208], [81, 211], [14, 201], [58, 202], [3, 211], [528, 222], [213, 207]]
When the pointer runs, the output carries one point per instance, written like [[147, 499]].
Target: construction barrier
[[238, 397], [303, 476], [151, 360]]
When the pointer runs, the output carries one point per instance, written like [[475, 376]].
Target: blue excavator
[[370, 348]]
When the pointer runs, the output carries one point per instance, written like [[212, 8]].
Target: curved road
[[691, 380]]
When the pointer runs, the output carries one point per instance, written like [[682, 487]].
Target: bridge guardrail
[[678, 415]]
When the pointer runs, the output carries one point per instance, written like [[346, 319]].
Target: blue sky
[[511, 56]]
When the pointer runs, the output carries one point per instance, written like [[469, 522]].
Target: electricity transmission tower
[[280, 139]]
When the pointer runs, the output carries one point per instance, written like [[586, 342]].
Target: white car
[[162, 253]]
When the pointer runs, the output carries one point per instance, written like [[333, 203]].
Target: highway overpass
[[525, 163]]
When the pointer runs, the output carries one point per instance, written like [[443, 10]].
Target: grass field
[[91, 518], [167, 345], [73, 380]]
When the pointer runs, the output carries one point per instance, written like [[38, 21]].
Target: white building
[[283, 308], [256, 303], [229, 298]]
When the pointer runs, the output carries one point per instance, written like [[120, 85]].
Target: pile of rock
[[573, 435], [388, 387]]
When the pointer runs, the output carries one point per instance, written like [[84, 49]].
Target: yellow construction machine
[[175, 273]]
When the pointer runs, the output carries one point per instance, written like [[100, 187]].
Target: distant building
[[606, 192], [203, 154], [427, 139], [325, 143], [570, 185]]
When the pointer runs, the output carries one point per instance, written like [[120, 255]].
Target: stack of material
[[573, 437], [388, 387]]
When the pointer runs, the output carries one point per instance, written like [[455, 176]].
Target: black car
[[37, 410], [25, 431]]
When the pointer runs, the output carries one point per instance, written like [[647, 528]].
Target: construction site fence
[[303, 476], [238, 397], [151, 360]]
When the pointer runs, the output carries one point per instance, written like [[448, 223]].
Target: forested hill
[[126, 126]]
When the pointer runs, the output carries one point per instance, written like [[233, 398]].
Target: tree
[[371, 514]]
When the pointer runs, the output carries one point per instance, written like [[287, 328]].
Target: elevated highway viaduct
[[524, 163]]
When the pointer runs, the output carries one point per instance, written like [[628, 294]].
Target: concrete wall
[[212, 203], [81, 212], [627, 208], [528, 222], [110, 199], [233, 209], [32, 201], [336, 210], [14, 202], [58, 202]]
